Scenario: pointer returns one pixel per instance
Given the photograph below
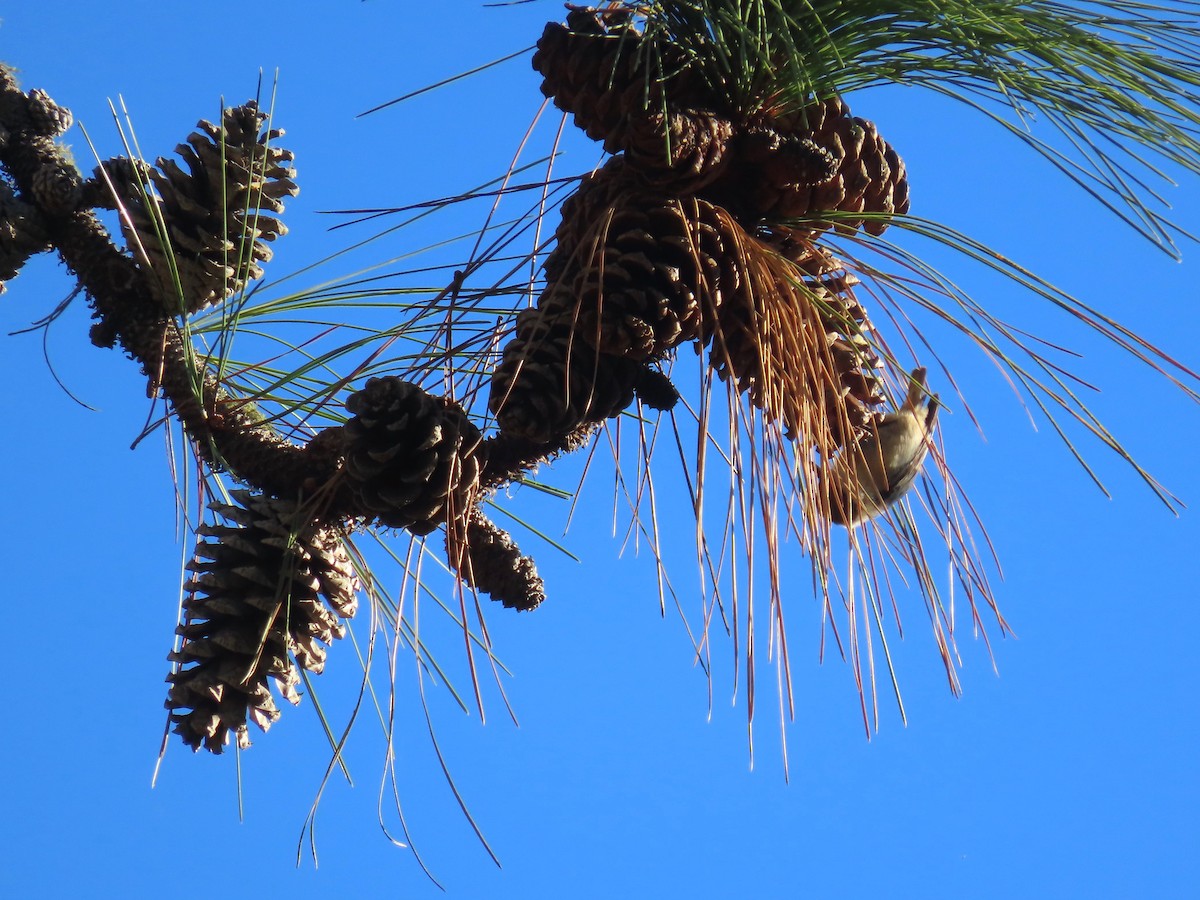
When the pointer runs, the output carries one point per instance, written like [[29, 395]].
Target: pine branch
[[225, 433]]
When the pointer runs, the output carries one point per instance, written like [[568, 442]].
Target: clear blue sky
[[1072, 773]]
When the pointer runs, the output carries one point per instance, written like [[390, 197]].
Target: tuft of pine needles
[[1107, 91]]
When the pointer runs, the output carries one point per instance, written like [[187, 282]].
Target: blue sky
[[1071, 773]]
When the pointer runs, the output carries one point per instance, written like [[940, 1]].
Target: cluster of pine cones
[[668, 243], [702, 228], [273, 581]]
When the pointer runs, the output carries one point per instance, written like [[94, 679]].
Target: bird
[[877, 470]]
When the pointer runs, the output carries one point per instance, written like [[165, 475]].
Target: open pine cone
[[201, 234], [255, 605]]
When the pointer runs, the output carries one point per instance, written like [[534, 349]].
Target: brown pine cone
[[645, 101], [254, 603], [818, 159], [550, 382], [488, 559], [217, 214], [412, 459]]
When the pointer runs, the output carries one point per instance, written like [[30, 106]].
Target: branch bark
[[227, 433]]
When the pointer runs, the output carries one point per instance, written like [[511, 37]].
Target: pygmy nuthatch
[[869, 476]]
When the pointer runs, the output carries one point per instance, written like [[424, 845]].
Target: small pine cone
[[549, 382], [817, 159], [47, 117], [413, 460], [205, 234], [489, 560], [254, 604], [57, 188], [656, 390]]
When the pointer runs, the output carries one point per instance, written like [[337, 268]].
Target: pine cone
[[638, 272], [818, 159], [57, 189], [681, 151], [587, 65], [584, 214], [634, 275], [488, 559], [412, 459], [652, 280], [45, 116], [117, 182], [34, 113], [781, 162], [644, 101], [656, 390], [217, 215], [549, 382], [796, 341], [254, 604]]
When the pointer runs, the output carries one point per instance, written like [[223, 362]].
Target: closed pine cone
[[412, 459]]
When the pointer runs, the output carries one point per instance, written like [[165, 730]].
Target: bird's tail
[[918, 393], [916, 389]]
